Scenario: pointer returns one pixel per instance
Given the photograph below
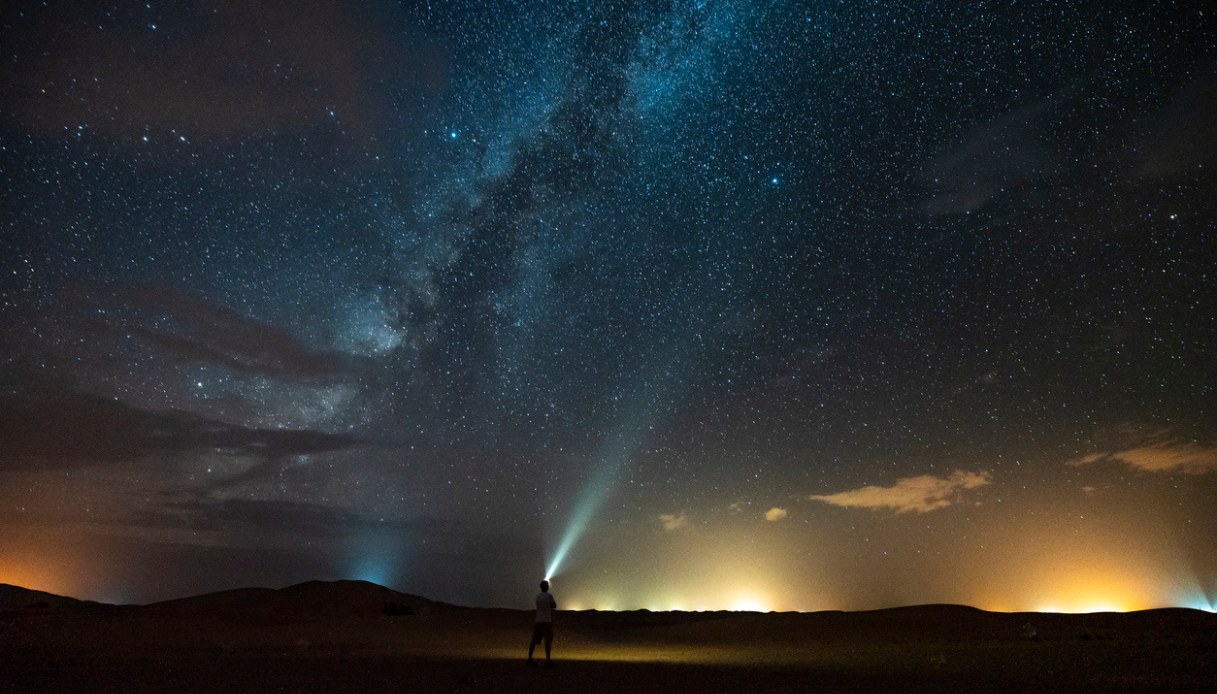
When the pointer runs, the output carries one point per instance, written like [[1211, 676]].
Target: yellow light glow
[[1082, 607], [749, 603], [1038, 568], [1081, 589]]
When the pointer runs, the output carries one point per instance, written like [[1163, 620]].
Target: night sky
[[694, 304]]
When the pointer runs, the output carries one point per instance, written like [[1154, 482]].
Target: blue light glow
[[1198, 599], [376, 557]]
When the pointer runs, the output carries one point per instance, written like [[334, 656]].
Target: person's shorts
[[542, 630]]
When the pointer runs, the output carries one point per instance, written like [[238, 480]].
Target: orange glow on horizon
[[1095, 587], [34, 577], [44, 562]]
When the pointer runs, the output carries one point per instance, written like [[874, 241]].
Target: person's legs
[[549, 641], [532, 644]]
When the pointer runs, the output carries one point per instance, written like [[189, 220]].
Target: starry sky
[[695, 304]]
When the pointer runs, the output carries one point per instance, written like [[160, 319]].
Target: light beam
[[615, 455], [620, 451]]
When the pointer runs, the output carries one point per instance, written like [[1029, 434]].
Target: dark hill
[[304, 601], [14, 598]]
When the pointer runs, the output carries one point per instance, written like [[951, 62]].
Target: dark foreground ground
[[336, 637]]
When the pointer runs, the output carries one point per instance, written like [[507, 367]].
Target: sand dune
[[311, 600], [320, 636], [18, 598]]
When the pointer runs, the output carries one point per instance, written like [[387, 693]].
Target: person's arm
[[553, 604]]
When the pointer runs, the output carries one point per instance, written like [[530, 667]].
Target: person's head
[[544, 586]]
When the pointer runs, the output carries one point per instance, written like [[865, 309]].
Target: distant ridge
[[309, 600], [312, 599], [14, 598]]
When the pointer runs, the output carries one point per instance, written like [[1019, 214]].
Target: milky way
[[785, 293]]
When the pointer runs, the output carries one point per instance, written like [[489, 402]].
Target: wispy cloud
[[921, 494], [775, 514], [994, 156], [674, 521], [1164, 456], [183, 328], [66, 429]]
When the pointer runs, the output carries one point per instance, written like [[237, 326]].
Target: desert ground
[[351, 636]]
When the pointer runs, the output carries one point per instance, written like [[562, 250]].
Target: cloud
[[921, 494], [243, 518], [181, 327], [1166, 456], [993, 156], [71, 429], [775, 514], [737, 507], [674, 521]]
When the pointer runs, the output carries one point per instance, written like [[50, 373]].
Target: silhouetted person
[[543, 626]]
